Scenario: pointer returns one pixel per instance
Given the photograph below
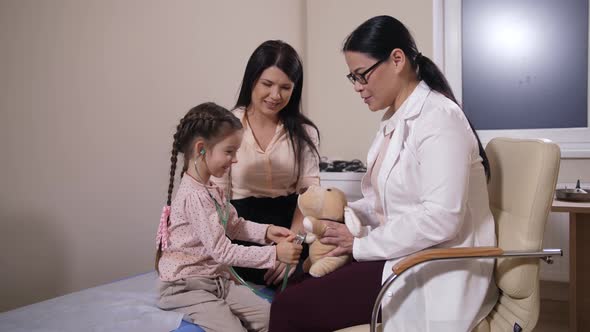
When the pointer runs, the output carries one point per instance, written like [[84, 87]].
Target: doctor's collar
[[409, 107], [389, 122]]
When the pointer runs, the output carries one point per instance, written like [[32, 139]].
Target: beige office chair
[[524, 174]]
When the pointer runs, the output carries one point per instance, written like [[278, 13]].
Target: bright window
[[519, 67]]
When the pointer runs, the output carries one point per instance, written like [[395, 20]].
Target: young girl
[[194, 248]]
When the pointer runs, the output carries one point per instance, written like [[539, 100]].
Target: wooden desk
[[579, 287]]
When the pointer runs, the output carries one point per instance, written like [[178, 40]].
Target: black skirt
[[277, 211]]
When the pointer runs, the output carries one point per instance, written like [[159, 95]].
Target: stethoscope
[[223, 219]]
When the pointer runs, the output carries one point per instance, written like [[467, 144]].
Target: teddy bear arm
[[353, 223]]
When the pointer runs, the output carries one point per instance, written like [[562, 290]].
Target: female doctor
[[425, 187]]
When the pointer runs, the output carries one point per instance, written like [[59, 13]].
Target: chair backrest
[[521, 188]]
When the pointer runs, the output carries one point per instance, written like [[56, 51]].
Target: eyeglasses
[[362, 77]]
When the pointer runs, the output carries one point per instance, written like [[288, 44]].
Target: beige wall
[[347, 126], [574, 169], [90, 92]]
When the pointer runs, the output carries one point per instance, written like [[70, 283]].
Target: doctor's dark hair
[[208, 121], [380, 35], [281, 55]]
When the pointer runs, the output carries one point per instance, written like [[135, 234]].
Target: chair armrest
[[446, 253], [469, 252], [453, 253]]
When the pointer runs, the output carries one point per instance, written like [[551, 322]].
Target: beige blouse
[[272, 172], [386, 129], [374, 173]]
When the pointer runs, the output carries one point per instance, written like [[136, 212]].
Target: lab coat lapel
[[411, 109], [391, 157]]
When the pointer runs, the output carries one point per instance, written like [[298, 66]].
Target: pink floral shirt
[[198, 245]]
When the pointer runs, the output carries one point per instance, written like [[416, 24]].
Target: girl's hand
[[277, 234], [289, 252], [276, 274], [337, 234]]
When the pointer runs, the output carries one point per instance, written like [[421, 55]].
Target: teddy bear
[[328, 204]]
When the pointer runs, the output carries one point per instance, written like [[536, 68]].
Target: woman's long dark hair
[[281, 55], [380, 35]]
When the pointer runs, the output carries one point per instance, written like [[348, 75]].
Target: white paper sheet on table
[[125, 305]]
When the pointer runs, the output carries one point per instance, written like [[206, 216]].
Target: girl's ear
[[199, 148]]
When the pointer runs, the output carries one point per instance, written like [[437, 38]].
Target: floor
[[554, 307]]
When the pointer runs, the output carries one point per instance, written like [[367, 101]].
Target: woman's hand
[[276, 274], [337, 234], [277, 234]]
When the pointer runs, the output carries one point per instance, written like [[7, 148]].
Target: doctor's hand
[[337, 234]]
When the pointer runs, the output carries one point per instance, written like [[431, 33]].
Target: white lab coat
[[434, 194]]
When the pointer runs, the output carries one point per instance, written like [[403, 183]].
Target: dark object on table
[[577, 194], [354, 165]]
